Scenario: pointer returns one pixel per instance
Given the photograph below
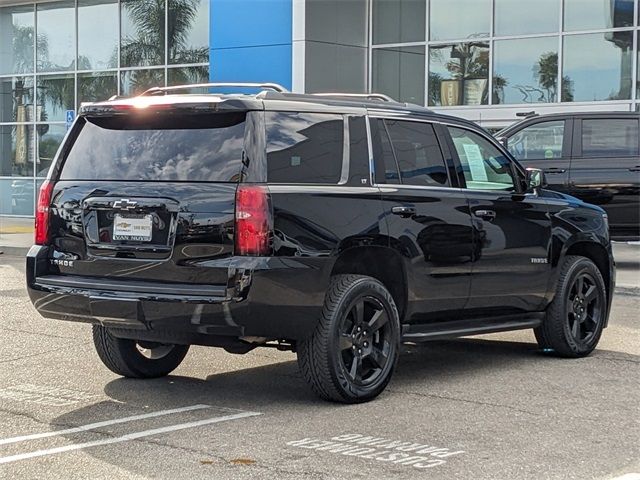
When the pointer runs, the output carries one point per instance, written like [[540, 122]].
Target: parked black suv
[[336, 226], [592, 156]]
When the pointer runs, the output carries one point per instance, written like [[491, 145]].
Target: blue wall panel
[[250, 41]]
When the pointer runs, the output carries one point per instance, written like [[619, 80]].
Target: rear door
[[426, 214], [512, 229], [545, 144], [605, 169], [149, 197]]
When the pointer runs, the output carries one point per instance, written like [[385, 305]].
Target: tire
[[136, 359], [353, 351], [575, 318]]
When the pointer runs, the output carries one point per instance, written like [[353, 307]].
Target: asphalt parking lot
[[492, 407]]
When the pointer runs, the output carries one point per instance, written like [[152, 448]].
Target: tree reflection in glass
[[459, 74], [143, 33], [526, 71]]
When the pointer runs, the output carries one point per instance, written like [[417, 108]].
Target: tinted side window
[[418, 153], [304, 147], [483, 165], [539, 141], [385, 152], [610, 137]]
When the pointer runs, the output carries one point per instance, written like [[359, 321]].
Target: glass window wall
[[459, 19], [187, 75], [398, 21], [597, 14], [50, 137], [399, 73], [96, 86], [525, 70], [103, 55], [188, 31], [17, 31], [515, 17], [56, 45], [135, 82], [142, 34], [16, 98], [459, 74], [16, 196], [97, 34], [542, 51], [17, 150], [55, 94], [597, 66]]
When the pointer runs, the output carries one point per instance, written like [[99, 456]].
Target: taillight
[[253, 221], [42, 213]]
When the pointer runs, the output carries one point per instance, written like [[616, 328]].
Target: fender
[[594, 245]]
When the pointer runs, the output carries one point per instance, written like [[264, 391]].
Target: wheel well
[[383, 264], [597, 254]]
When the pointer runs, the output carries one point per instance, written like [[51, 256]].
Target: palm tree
[[147, 45]]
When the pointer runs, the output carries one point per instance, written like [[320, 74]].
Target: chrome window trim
[[372, 168], [346, 151]]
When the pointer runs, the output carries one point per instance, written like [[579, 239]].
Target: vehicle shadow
[[278, 390], [280, 386]]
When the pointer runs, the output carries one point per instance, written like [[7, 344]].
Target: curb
[[14, 251], [627, 290]]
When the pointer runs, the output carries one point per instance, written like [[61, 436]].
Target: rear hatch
[[148, 196]]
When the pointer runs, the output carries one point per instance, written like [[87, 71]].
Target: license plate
[[137, 228]]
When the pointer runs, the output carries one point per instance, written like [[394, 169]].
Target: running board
[[477, 326]]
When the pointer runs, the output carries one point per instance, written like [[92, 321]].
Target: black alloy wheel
[[353, 351], [365, 341], [584, 308], [577, 314]]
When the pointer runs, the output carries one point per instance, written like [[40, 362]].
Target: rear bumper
[[278, 298]]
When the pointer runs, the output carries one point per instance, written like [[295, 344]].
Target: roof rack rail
[[368, 96], [265, 86]]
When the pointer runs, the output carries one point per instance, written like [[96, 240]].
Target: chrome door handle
[[554, 170], [488, 215], [404, 212], [635, 169]]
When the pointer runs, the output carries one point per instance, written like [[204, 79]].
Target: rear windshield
[[164, 147]]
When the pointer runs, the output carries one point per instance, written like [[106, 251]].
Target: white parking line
[[93, 426], [126, 438]]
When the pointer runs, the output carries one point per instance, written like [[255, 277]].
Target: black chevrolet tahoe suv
[[594, 156], [337, 226]]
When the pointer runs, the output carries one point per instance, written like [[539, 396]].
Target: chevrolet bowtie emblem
[[125, 204]]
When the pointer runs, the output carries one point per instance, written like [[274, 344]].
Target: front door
[[545, 144], [427, 218], [512, 229], [605, 170]]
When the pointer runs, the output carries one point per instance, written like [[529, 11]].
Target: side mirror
[[535, 179]]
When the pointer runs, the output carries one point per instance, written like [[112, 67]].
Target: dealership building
[[485, 60]]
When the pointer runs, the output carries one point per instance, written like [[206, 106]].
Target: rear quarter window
[[162, 148], [304, 147]]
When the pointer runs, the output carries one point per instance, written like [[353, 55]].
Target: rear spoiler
[[193, 104]]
